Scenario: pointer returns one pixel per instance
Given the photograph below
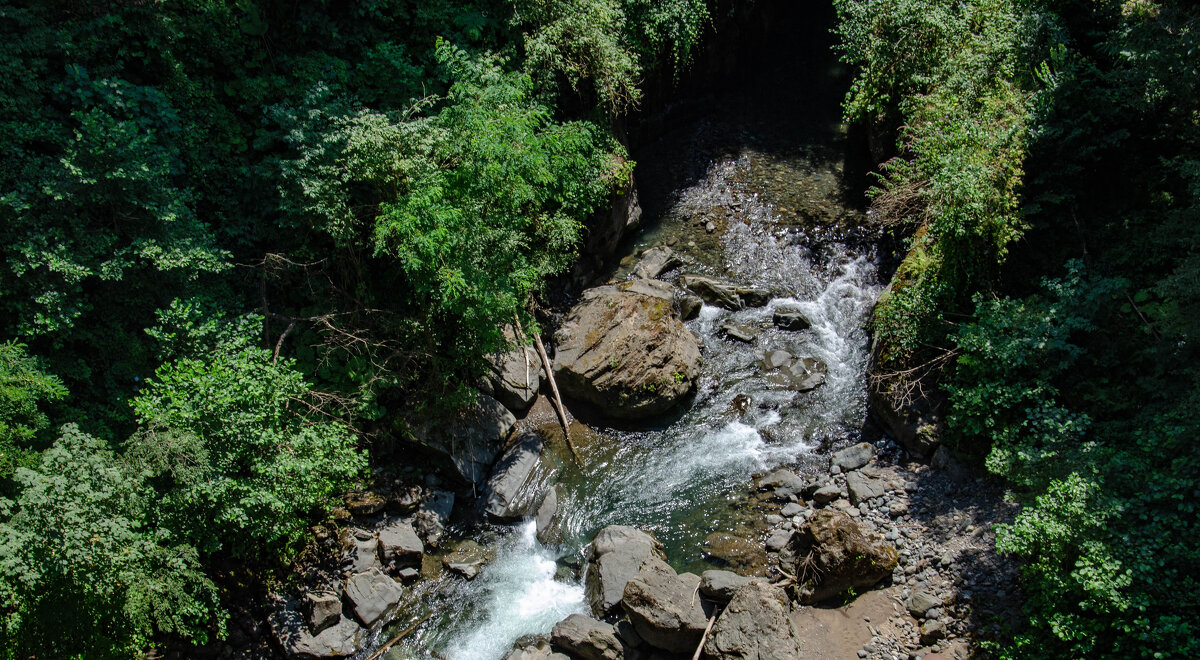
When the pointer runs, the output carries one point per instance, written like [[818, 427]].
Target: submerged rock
[[835, 553], [625, 349], [547, 517], [738, 331], [756, 625], [800, 374], [617, 555], [467, 559]]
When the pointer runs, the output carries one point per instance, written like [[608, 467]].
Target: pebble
[[710, 227]]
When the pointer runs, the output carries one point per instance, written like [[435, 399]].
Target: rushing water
[[688, 479]]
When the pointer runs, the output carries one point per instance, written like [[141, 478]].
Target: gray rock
[[339, 640], [324, 610], [775, 359], [617, 555], [897, 508], [371, 594], [710, 227], [835, 553], [863, 488], [514, 374], [433, 516], [655, 262], [797, 374], [665, 608], [408, 574], [738, 331], [467, 559], [467, 442], [505, 497], [689, 306], [755, 625], [363, 555], [778, 540], [852, 458], [932, 630], [587, 638], [625, 349], [399, 543], [721, 585], [790, 316], [753, 296], [792, 509], [547, 516], [943, 460], [920, 602], [827, 493], [713, 291], [538, 651], [781, 478]]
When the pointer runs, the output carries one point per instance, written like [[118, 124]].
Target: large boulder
[[834, 553], [514, 374], [755, 625], [587, 638], [505, 497], [339, 640], [625, 349], [546, 518], [617, 555], [371, 594], [665, 608], [468, 441], [399, 543]]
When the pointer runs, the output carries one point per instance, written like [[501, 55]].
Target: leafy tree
[[225, 440], [82, 572], [24, 387]]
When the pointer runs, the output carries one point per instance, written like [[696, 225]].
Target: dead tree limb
[[558, 404], [707, 629]]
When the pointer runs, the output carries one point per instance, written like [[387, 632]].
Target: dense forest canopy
[[244, 243]]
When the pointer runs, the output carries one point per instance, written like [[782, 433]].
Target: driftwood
[[557, 400], [404, 633], [707, 629]]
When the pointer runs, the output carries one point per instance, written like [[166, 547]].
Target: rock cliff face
[[625, 349]]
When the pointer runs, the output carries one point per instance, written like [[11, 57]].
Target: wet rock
[[655, 262], [740, 404], [713, 291], [323, 610], [720, 586], [863, 488], [362, 555], [468, 441], [587, 638], [371, 594], [689, 306], [625, 349], [504, 498], [337, 641], [539, 650], [617, 555], [365, 504], [795, 373], [753, 296], [835, 553], [467, 559], [547, 515], [433, 516], [741, 551], [738, 331], [790, 316], [399, 543], [852, 458], [756, 625], [778, 539], [664, 607], [514, 374]]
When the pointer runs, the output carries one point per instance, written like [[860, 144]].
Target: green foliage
[[24, 388], [82, 572], [237, 465]]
